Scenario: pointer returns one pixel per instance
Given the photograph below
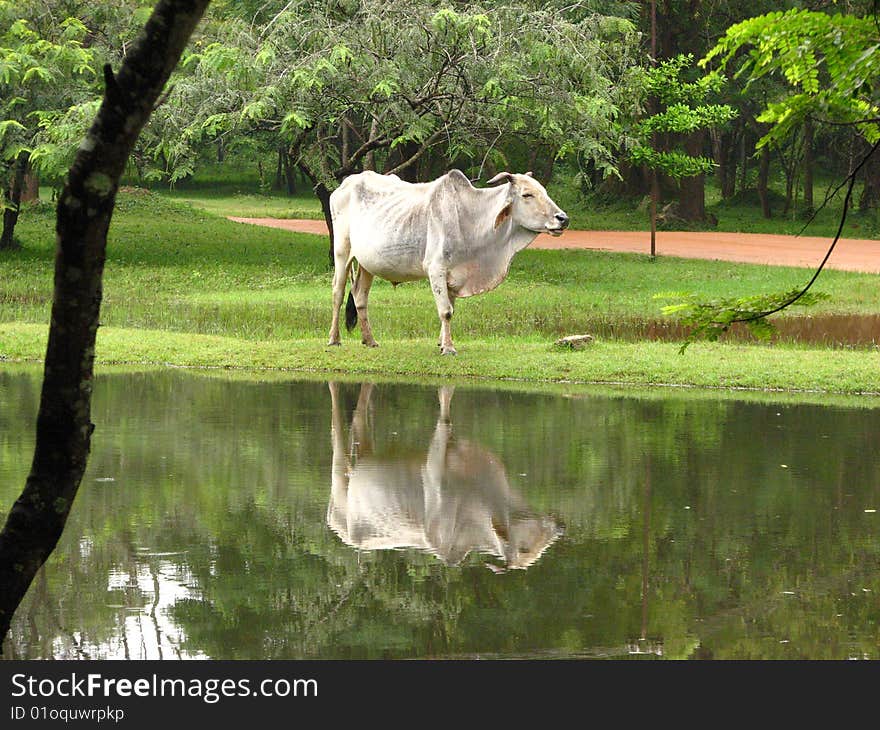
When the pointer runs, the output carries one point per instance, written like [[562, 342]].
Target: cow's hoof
[[448, 351], [370, 344], [334, 344]]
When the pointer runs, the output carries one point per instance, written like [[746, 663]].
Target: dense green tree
[[686, 26], [831, 83], [683, 108], [43, 76], [390, 86]]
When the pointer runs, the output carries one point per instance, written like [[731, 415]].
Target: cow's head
[[529, 205], [523, 538]]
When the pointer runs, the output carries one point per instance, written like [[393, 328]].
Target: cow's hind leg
[[341, 264], [360, 293], [444, 301]]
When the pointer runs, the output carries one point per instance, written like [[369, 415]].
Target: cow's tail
[[351, 312]]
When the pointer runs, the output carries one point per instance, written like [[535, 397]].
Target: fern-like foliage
[[831, 62], [708, 320]]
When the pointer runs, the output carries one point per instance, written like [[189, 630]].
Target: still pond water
[[232, 520]]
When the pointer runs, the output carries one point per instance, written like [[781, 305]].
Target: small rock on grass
[[574, 342]]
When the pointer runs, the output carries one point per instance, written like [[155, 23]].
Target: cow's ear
[[501, 177], [503, 215]]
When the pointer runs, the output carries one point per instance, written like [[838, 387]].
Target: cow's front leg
[[444, 302]]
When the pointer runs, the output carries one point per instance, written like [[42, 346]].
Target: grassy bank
[[250, 205], [186, 287], [514, 358]]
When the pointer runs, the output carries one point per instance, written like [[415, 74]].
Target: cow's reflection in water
[[449, 500]]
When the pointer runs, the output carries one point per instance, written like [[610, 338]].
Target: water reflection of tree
[[246, 496]]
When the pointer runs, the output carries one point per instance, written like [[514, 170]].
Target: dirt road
[[850, 254]]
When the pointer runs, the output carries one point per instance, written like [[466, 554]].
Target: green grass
[[249, 205], [187, 287], [234, 188], [530, 359]]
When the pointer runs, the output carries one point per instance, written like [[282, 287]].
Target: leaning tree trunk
[[13, 200], [323, 193], [64, 425]]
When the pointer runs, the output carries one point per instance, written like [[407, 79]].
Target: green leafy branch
[[709, 320], [674, 163], [684, 109], [830, 61]]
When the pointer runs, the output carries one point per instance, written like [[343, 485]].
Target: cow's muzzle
[[561, 224]]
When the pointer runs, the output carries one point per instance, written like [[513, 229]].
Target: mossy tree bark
[[64, 426], [13, 195]]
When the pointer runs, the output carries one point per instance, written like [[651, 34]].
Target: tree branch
[[429, 142]]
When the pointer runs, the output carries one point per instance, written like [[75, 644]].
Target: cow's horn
[[501, 177], [529, 173]]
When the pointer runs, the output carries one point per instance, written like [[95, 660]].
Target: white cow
[[448, 499], [461, 238]]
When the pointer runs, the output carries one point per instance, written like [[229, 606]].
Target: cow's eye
[[528, 195]]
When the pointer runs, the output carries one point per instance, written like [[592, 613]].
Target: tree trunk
[[370, 157], [279, 169], [323, 193], [808, 165], [31, 191], [655, 201], [790, 168], [870, 198], [533, 158], [763, 179], [692, 192], [546, 171], [13, 200], [64, 426], [398, 156], [724, 149], [289, 172]]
